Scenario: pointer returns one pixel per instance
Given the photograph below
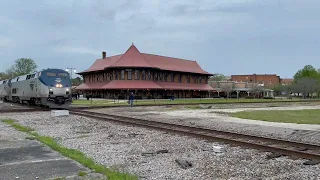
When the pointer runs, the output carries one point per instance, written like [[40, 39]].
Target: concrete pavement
[[21, 158]]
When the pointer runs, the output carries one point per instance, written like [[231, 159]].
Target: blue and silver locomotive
[[49, 87]]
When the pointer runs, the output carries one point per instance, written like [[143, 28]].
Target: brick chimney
[[104, 54]]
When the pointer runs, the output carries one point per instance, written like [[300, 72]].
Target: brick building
[[265, 80], [147, 75]]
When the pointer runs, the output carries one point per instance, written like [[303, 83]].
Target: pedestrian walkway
[[26, 159]]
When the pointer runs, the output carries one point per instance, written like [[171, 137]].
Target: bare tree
[[307, 86], [256, 90], [227, 88]]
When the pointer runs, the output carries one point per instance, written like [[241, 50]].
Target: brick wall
[[269, 80]]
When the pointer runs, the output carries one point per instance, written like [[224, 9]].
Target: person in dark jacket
[[131, 98]]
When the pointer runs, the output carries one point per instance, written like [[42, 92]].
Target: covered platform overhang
[[91, 86], [120, 84], [141, 84]]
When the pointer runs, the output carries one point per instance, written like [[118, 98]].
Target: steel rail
[[215, 135]]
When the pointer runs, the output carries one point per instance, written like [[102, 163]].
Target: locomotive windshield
[[51, 74], [52, 77]]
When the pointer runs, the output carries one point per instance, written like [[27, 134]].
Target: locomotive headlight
[[59, 85], [50, 91], [67, 89]]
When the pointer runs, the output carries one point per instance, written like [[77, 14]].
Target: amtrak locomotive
[[50, 88]]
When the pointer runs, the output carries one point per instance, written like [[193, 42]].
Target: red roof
[[141, 84], [133, 58]]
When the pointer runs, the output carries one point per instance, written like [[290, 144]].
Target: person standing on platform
[[131, 98]]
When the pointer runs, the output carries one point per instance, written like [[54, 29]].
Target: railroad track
[[278, 147], [20, 110], [191, 103]]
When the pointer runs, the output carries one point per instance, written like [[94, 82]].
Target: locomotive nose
[[59, 91]]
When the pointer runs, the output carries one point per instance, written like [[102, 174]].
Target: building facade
[[265, 80], [147, 75]]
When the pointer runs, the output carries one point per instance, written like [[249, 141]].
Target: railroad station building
[[147, 75]]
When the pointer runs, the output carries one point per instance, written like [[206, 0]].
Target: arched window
[[143, 75], [115, 75], [171, 77], [122, 74], [179, 78], [137, 75], [155, 77]]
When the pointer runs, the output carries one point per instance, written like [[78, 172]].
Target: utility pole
[[71, 70]]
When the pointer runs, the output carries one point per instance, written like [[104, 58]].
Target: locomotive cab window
[[51, 74], [14, 91], [63, 74]]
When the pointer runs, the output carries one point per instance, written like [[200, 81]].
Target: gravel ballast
[[134, 150], [217, 118]]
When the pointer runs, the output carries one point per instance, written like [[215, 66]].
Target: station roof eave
[[91, 86], [142, 84]]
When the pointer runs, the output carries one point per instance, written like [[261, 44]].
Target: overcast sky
[[224, 36]]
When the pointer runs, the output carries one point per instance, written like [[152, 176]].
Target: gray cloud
[[231, 37]]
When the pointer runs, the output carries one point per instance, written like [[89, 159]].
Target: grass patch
[[18, 127], [73, 154], [307, 116], [82, 173]]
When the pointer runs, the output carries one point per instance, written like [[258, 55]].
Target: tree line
[[306, 83], [24, 66], [20, 67]]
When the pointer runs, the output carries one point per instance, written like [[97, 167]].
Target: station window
[[122, 75], [137, 74], [188, 78], [179, 78], [171, 77], [143, 75], [194, 79], [160, 76], [165, 77], [155, 77], [149, 75], [129, 75]]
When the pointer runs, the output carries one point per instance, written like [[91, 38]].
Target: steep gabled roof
[[133, 58], [174, 64], [101, 64]]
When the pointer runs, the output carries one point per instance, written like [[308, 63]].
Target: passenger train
[[50, 88]]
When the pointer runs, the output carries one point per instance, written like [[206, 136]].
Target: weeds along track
[[277, 146]]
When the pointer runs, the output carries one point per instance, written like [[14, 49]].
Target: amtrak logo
[[31, 86], [58, 80]]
